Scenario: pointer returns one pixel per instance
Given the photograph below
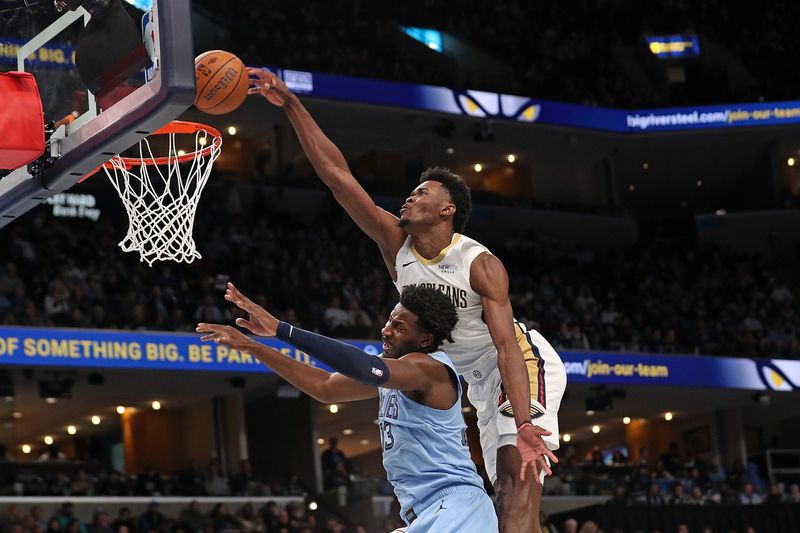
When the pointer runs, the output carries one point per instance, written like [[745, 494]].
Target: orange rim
[[176, 126]]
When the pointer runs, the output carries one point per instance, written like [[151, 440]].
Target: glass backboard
[[109, 72]]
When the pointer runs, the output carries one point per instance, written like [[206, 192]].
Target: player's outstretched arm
[[317, 383], [331, 166], [412, 372], [489, 279]]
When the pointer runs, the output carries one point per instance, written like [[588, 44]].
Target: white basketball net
[[161, 202]]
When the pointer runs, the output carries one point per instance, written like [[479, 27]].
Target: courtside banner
[[682, 371], [184, 351], [722, 116], [481, 104]]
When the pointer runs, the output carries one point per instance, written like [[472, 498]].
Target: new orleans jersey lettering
[[449, 273], [457, 295]]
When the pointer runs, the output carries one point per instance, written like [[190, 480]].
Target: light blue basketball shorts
[[454, 510]]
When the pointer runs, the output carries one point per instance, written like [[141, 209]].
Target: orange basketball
[[222, 82]]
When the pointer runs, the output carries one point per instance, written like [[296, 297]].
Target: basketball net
[[161, 195]]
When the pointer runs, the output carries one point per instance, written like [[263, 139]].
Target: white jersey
[[449, 273], [474, 355]]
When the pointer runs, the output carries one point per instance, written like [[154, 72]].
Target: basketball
[[222, 82]]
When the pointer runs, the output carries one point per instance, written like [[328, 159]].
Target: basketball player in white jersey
[[516, 379]]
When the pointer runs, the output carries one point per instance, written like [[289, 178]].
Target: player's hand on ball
[[226, 335], [533, 451], [260, 322], [268, 85]]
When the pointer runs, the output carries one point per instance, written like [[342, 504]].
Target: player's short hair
[[458, 191], [435, 312]]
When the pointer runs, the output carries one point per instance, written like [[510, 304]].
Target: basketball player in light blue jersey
[[423, 435]]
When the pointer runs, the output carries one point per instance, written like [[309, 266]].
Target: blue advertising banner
[[682, 371], [184, 351], [524, 109], [470, 103], [720, 116], [52, 55]]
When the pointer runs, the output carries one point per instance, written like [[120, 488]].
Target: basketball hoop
[[161, 196]]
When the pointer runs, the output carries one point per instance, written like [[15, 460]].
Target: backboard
[[120, 69]]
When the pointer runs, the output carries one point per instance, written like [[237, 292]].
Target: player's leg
[[519, 501]]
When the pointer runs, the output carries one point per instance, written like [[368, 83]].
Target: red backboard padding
[[21, 120]]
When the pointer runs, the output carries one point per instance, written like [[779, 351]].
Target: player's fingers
[[542, 432], [208, 337], [240, 301], [551, 456], [546, 467], [258, 71], [535, 468], [522, 470], [237, 294], [241, 322]]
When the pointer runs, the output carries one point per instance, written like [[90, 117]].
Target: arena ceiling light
[[595, 429], [26, 448], [511, 158], [791, 161], [626, 420], [232, 130], [566, 437], [668, 416], [96, 420], [333, 408]]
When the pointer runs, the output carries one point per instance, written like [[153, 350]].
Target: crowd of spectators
[[62, 477], [668, 479], [247, 518], [562, 51], [321, 273], [653, 297]]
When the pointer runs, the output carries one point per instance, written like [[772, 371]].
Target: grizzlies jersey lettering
[[449, 273], [424, 449]]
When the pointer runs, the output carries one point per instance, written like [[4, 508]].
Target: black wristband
[[283, 331]]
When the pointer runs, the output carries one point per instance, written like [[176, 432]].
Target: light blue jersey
[[425, 452]]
